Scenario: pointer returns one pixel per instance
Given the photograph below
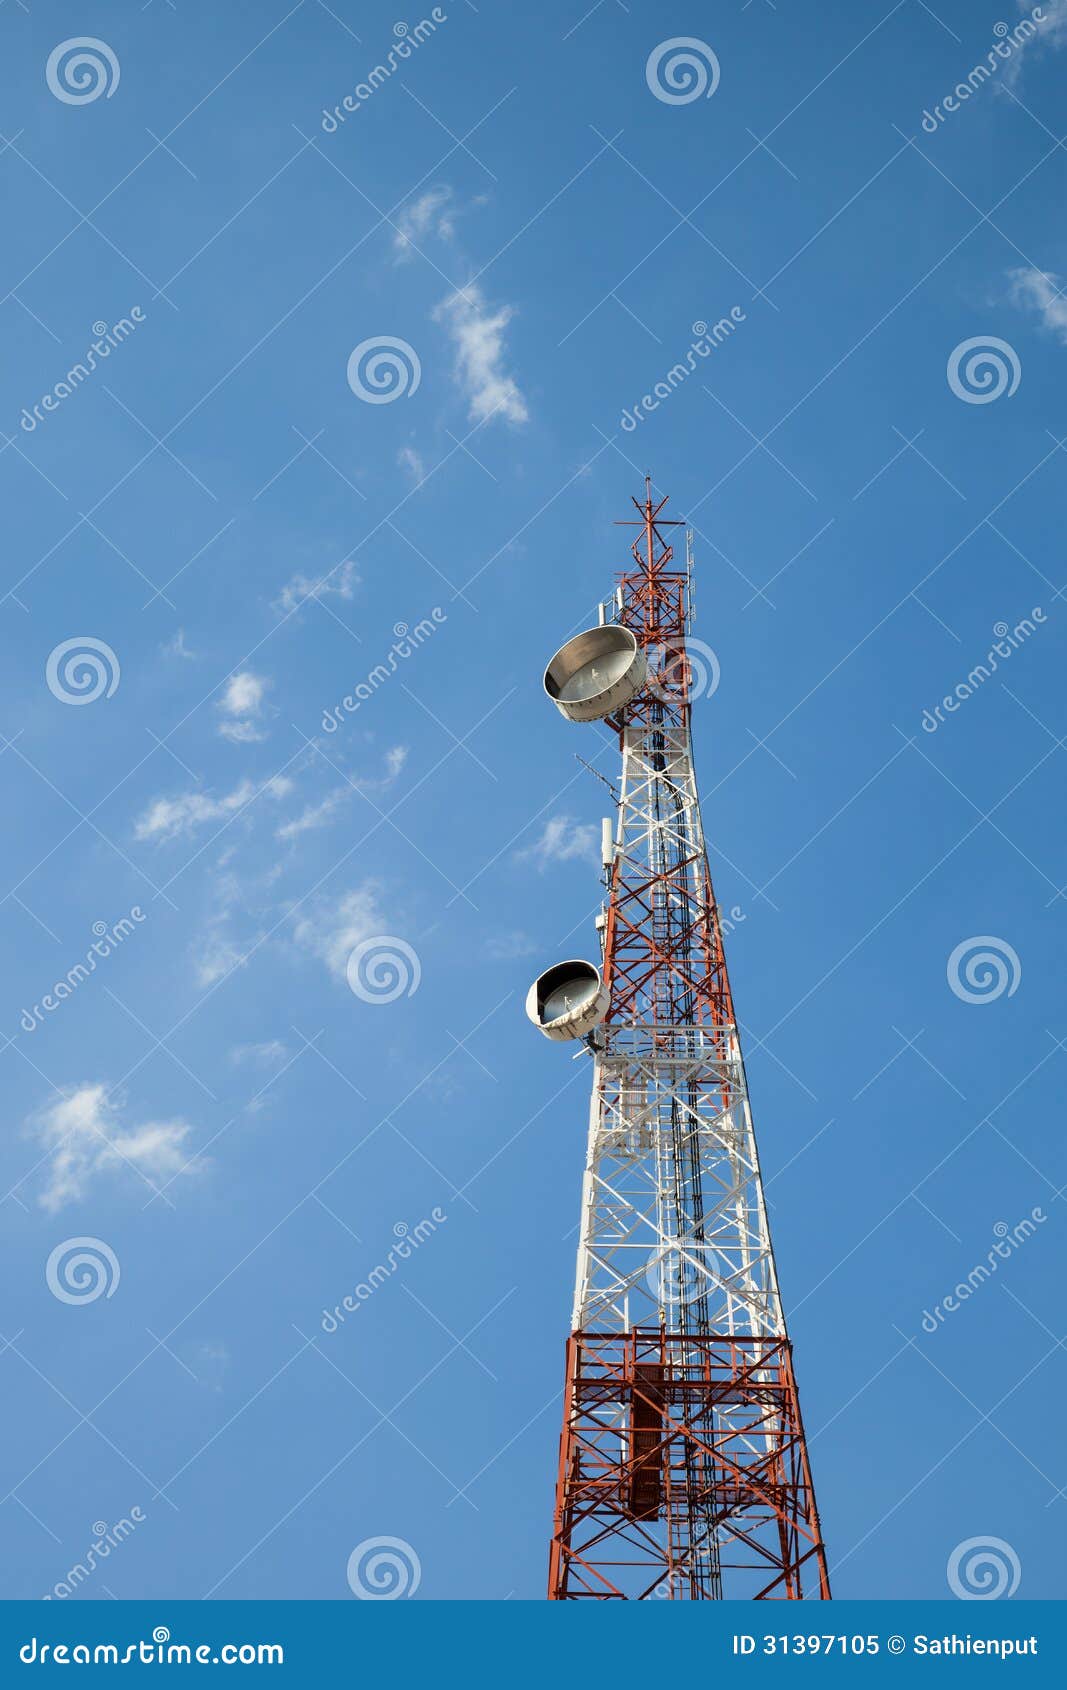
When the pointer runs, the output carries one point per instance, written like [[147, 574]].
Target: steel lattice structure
[[683, 1466]]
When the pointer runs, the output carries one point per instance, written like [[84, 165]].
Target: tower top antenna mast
[[683, 1466]]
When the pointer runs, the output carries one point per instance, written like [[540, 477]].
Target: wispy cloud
[[431, 213], [341, 582], [215, 949], [87, 1141], [563, 840], [216, 952], [316, 815], [329, 808], [507, 947], [333, 928], [167, 818], [209, 1361], [1040, 291], [271, 1052], [411, 462], [477, 332], [177, 647], [241, 707], [1050, 33]]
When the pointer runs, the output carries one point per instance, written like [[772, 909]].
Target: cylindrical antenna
[[607, 842]]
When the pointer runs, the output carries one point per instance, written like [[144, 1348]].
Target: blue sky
[[247, 539]]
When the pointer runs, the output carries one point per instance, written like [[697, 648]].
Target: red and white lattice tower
[[683, 1469]]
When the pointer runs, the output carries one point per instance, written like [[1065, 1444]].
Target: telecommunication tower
[[683, 1470]]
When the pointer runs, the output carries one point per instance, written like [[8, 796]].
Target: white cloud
[[429, 214], [506, 947], [563, 840], [86, 1141], [411, 461], [209, 1361], [270, 1052], [241, 706], [477, 333], [330, 931], [325, 811], [216, 953], [316, 815], [167, 818], [215, 949], [244, 694], [1051, 32], [341, 581], [1040, 290], [177, 646]]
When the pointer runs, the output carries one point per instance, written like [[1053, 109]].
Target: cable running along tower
[[683, 1469]]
